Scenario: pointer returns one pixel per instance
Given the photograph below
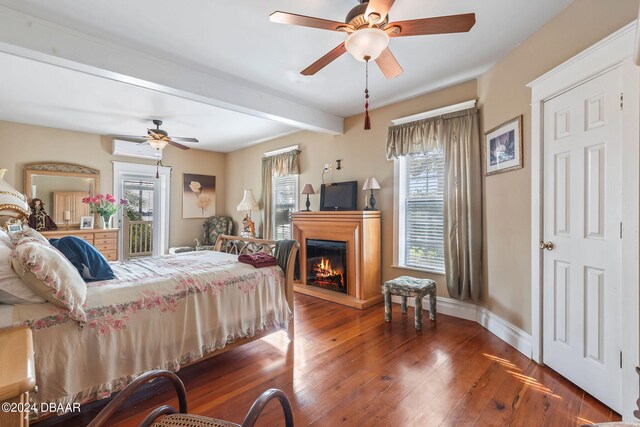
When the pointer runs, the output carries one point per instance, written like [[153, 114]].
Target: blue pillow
[[91, 264]]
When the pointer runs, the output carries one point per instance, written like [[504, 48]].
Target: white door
[[582, 220]]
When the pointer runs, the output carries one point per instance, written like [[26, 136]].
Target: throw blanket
[[282, 251], [89, 262], [258, 260]]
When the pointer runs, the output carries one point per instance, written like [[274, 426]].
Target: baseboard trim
[[512, 335]]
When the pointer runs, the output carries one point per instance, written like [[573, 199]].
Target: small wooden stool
[[407, 286]]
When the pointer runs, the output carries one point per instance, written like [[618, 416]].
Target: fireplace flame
[[324, 269]]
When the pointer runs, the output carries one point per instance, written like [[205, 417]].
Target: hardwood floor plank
[[348, 367]]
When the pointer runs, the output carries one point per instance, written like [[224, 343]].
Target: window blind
[[285, 197], [424, 211]]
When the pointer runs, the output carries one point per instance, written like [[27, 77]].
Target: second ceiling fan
[[369, 30]]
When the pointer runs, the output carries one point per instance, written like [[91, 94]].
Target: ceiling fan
[[369, 30], [157, 138]]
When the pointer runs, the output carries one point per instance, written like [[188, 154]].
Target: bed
[[163, 312]]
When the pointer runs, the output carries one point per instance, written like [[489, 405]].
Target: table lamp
[[308, 189], [371, 184], [248, 204]]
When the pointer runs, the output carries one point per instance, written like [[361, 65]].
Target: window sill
[[423, 270]]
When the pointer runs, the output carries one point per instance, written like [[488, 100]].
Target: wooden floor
[[348, 367]]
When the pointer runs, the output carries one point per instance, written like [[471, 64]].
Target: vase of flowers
[[106, 206]]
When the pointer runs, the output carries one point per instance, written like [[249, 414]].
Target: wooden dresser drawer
[[110, 255], [106, 247], [111, 241], [87, 237], [106, 235]]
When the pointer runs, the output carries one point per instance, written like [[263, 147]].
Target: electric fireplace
[[326, 264]]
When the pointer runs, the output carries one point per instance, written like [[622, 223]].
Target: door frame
[[162, 205], [613, 51]]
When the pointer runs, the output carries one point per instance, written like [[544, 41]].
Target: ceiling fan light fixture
[[367, 43], [158, 144]]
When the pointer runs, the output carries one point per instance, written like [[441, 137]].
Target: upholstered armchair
[[211, 229]]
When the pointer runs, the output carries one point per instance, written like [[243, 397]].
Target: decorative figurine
[[248, 227], [39, 219]]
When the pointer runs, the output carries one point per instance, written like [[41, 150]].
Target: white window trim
[[295, 203], [399, 179], [162, 205], [280, 151]]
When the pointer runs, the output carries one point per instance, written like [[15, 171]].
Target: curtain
[[458, 135], [278, 165]]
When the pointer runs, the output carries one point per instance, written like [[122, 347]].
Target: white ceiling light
[[367, 44], [158, 144]]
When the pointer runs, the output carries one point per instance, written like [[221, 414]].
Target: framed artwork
[[86, 222], [198, 195], [503, 147]]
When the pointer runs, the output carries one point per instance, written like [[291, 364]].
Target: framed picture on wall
[[503, 147], [198, 195]]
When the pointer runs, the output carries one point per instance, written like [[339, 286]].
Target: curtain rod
[[281, 150], [433, 113]]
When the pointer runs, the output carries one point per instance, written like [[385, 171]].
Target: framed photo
[[86, 222], [503, 147], [14, 227], [198, 195]]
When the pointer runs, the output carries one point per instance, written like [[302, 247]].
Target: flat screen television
[[339, 196]]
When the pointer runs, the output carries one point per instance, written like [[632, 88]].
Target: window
[[421, 212], [285, 200]]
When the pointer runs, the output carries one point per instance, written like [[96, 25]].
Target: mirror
[[61, 188]]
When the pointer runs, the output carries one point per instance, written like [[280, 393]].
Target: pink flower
[[110, 198], [124, 202], [86, 200], [100, 197]]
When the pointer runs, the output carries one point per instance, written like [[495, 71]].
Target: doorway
[[145, 221]]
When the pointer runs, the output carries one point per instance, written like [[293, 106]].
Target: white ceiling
[[234, 40]]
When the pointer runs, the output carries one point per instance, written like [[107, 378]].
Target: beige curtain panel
[[458, 134], [422, 136], [277, 165]]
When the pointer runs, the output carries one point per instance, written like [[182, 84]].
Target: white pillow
[[51, 276], [12, 289], [5, 240], [27, 234]]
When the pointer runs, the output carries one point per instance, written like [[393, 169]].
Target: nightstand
[[17, 374]]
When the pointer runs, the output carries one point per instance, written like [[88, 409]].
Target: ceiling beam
[[34, 38]]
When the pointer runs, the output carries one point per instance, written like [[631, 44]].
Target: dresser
[[106, 241]]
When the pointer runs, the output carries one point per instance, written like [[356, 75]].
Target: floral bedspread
[[158, 313]]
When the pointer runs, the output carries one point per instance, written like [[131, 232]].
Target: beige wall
[[362, 153], [21, 144], [502, 95]]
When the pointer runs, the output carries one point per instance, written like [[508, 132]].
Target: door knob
[[547, 245]]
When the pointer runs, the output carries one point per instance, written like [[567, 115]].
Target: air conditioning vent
[[134, 149]]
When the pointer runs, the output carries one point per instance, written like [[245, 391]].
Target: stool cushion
[[409, 284]]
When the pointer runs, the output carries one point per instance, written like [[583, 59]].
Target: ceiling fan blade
[[438, 25], [307, 21], [324, 61], [380, 8], [175, 144], [178, 138], [388, 64]]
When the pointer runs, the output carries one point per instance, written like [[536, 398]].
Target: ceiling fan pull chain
[[367, 120]]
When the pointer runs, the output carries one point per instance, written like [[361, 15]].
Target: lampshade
[[248, 202], [371, 184], [367, 42], [158, 144], [13, 204], [66, 215], [308, 189]]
